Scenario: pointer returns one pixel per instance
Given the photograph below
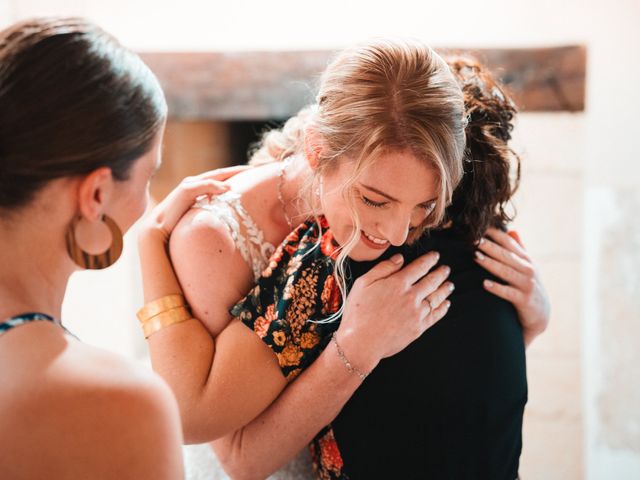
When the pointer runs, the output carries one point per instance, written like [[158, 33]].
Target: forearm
[[307, 405], [158, 277], [182, 353]]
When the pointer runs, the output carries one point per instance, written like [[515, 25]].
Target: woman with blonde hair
[[451, 403], [389, 121]]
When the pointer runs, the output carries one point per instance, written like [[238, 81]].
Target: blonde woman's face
[[393, 194]]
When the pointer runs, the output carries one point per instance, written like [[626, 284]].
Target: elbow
[[201, 425], [194, 431], [241, 471], [192, 436], [237, 465], [195, 428]]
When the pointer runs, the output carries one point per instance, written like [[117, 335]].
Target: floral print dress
[[289, 308]]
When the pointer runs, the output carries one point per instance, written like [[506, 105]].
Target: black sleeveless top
[[450, 405]]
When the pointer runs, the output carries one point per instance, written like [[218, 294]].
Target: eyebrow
[[386, 195], [379, 192]]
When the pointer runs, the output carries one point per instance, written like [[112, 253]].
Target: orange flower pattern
[[327, 460], [295, 291]]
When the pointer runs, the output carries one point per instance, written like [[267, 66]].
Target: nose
[[396, 229]]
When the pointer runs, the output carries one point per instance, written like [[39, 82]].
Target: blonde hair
[[375, 98]]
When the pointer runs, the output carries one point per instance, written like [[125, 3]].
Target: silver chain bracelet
[[344, 359]]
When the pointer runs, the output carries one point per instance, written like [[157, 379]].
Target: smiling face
[[390, 196]]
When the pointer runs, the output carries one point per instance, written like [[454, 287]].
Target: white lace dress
[[200, 461]]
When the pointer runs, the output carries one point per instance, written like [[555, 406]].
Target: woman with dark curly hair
[[450, 405]]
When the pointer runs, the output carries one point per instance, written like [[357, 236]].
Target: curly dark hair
[[481, 199]]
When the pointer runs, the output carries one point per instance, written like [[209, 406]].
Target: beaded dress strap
[[246, 234]]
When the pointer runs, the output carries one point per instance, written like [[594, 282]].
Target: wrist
[[152, 236], [532, 332], [355, 352], [535, 328]]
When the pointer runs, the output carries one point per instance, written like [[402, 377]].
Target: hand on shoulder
[[503, 254]]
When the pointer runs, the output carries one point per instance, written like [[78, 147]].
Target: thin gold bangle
[[160, 305]]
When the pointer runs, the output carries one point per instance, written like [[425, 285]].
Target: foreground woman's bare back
[[80, 412]]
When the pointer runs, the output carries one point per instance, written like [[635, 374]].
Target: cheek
[[338, 213], [418, 216], [139, 203], [133, 205]]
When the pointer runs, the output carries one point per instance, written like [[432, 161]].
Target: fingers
[[506, 292], [436, 314], [508, 242], [513, 234], [383, 269], [431, 282], [503, 255], [170, 210], [418, 268], [195, 187], [503, 271], [436, 298], [225, 173]]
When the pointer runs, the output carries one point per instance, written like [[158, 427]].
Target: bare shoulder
[[89, 414], [201, 229], [95, 372], [209, 266]]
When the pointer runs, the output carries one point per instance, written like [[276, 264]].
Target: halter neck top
[[25, 318]]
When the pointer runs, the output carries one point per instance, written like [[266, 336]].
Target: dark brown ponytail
[[72, 99], [481, 199]]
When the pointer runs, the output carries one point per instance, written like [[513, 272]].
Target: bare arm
[[315, 398], [504, 255], [214, 397], [311, 402], [211, 270]]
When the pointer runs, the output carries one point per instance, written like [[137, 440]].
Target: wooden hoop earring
[[98, 261]]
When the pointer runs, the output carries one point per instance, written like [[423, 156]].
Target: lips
[[374, 242]]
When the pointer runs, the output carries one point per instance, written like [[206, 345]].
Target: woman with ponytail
[[81, 124]]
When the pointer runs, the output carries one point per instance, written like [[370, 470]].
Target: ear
[[94, 192], [312, 146]]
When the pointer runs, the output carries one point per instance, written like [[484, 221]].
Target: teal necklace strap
[[29, 317]]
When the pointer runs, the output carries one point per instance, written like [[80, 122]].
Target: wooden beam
[[540, 79], [275, 85]]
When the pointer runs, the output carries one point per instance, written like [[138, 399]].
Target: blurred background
[[577, 208]]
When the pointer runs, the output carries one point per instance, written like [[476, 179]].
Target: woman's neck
[[35, 268], [293, 180], [273, 191]]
